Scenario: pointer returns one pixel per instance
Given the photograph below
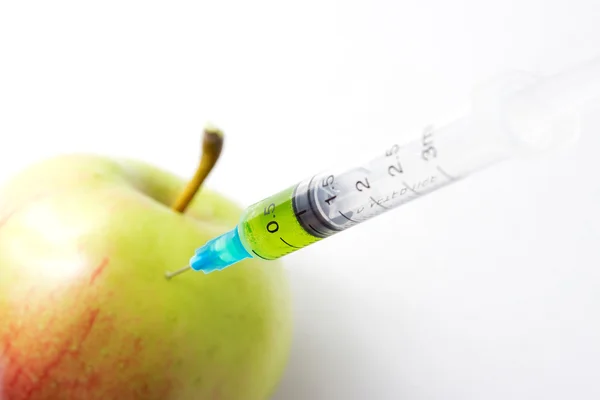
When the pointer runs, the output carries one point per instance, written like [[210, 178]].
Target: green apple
[[86, 311]]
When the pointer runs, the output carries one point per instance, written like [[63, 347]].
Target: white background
[[485, 290]]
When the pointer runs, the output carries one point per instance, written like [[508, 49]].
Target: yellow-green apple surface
[[86, 311]]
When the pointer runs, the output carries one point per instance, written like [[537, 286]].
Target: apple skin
[[86, 311]]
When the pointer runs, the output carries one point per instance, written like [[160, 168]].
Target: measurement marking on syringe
[[264, 258], [348, 218], [376, 202], [296, 247], [411, 189], [447, 175]]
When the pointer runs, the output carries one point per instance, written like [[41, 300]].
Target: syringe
[[512, 114]]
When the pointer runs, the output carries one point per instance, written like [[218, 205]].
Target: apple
[[86, 311]]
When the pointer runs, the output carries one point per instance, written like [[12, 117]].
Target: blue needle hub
[[219, 253]]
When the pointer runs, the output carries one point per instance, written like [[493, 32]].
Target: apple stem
[[212, 144]]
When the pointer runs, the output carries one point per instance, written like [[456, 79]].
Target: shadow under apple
[[329, 355]]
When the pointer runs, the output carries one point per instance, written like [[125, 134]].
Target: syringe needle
[[170, 275]]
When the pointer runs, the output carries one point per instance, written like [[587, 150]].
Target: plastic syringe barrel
[[516, 111], [558, 95], [537, 113]]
